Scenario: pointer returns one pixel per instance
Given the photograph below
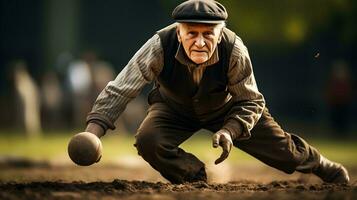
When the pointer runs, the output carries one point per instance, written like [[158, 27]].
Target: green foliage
[[287, 22]]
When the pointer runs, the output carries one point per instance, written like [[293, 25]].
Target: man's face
[[199, 40]]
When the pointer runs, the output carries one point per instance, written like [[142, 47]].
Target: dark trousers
[[164, 129]]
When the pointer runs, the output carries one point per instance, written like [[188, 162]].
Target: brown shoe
[[331, 172]]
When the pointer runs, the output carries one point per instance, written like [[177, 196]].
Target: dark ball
[[85, 149]]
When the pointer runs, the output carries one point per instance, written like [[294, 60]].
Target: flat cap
[[200, 11]]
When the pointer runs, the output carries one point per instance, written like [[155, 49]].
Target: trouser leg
[[289, 152], [272, 145], [279, 149], [157, 141]]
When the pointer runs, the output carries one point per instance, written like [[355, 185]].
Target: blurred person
[[80, 84], [30, 99], [61, 69], [52, 100], [203, 80], [339, 98]]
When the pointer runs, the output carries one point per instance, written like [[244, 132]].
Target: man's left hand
[[222, 138]]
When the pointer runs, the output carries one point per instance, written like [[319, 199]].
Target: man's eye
[[208, 33]]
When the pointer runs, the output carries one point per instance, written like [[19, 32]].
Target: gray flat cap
[[200, 11]]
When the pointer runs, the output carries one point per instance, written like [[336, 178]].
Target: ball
[[85, 148]]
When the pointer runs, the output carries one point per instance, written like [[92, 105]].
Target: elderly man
[[203, 80]]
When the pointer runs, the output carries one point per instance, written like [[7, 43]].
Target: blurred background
[[56, 56]]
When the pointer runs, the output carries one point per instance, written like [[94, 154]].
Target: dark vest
[[175, 83]]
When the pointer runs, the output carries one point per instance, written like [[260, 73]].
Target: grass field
[[54, 146]]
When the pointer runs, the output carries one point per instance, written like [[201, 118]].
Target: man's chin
[[199, 60]]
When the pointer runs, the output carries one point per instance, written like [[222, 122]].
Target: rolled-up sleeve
[[142, 69], [249, 103]]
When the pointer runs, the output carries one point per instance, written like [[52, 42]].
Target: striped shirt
[[145, 66]]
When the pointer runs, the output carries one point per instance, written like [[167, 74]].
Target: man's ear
[[178, 33], [220, 36]]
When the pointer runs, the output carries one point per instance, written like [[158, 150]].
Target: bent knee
[[149, 145]]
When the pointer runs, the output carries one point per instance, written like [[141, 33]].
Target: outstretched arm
[[145, 65]]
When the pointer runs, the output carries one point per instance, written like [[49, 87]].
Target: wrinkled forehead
[[198, 26]]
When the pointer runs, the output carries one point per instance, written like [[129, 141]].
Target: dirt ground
[[24, 179]]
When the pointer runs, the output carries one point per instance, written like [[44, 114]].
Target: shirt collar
[[183, 59]]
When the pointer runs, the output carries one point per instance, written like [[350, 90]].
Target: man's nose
[[200, 42]]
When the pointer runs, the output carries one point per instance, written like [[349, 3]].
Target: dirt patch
[[122, 189], [140, 181]]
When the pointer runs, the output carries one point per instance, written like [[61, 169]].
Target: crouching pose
[[203, 80]]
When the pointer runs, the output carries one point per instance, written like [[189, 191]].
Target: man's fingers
[[215, 140], [223, 156], [227, 145]]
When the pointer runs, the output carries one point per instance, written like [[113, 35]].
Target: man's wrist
[[96, 129], [234, 128], [100, 119]]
